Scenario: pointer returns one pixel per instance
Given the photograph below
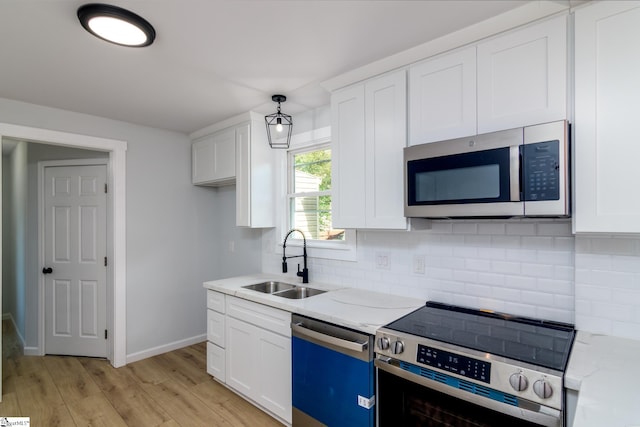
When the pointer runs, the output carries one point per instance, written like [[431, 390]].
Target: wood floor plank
[[106, 376], [184, 367], [232, 408], [95, 411], [136, 407], [9, 406], [72, 380], [147, 371], [51, 416], [182, 405], [37, 391]]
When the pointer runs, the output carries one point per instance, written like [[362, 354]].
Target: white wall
[[14, 229], [171, 226]]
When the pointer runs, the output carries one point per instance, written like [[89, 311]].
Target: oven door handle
[[300, 329]]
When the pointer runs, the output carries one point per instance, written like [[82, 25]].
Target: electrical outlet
[[382, 260], [418, 264], [366, 403]]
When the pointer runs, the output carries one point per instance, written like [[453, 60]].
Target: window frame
[[345, 250]]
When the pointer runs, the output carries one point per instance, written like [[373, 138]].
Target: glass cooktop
[[538, 342]]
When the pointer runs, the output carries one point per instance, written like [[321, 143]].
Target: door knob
[[47, 270]]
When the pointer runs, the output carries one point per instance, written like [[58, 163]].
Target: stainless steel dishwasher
[[333, 375]]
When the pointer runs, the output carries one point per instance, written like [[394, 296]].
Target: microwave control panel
[[541, 171]]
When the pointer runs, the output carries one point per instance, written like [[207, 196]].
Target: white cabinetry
[[257, 354], [237, 150], [522, 76], [213, 159], [606, 126], [515, 79], [368, 134], [216, 357], [442, 97]]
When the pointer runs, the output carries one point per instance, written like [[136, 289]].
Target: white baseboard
[[134, 357], [31, 351]]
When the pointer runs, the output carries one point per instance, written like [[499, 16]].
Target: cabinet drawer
[[215, 328], [215, 301], [269, 318], [216, 365]]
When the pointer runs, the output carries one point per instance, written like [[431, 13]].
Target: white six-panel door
[[75, 251]]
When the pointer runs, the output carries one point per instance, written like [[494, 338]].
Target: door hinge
[[105, 187], [105, 334], [105, 261]]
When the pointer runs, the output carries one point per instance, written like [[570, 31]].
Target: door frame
[[42, 166], [116, 211]]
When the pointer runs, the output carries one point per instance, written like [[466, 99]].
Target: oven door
[[407, 399]]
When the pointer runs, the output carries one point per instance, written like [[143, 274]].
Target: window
[[309, 194]]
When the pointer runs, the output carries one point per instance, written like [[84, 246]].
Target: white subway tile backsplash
[[538, 242], [465, 228], [521, 229], [527, 267], [492, 228]]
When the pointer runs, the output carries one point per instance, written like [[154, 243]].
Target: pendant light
[[116, 25], [279, 125]]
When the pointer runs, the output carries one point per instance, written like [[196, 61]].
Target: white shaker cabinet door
[[522, 77], [213, 158], [442, 97], [348, 157], [216, 362], [606, 126], [386, 137]]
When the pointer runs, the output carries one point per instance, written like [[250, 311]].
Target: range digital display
[[456, 363]]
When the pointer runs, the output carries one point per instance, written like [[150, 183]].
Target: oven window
[[404, 403]]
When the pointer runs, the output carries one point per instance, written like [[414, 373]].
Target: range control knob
[[518, 381], [397, 347], [383, 343], [543, 389]]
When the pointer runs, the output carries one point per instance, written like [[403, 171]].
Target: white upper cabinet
[[607, 101], [238, 150], [522, 76], [213, 159], [442, 97], [369, 123], [347, 157]]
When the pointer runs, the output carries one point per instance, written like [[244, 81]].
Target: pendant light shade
[[116, 25], [279, 125]]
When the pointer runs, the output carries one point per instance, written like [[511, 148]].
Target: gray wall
[[174, 229]]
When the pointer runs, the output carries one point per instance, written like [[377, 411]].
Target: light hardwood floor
[[172, 389]]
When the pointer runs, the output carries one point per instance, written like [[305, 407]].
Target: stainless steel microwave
[[516, 172]]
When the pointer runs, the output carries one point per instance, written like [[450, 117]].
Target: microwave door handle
[[515, 159]]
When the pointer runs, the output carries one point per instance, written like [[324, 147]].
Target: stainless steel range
[[444, 365]]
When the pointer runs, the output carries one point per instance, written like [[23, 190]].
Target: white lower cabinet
[[255, 356]]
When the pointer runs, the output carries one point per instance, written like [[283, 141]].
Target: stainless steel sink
[[284, 290], [300, 292], [270, 287]]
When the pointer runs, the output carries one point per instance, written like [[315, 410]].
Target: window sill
[[336, 250]]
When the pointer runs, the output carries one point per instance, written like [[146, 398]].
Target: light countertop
[[357, 309], [606, 372]]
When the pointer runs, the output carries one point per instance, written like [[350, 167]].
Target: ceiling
[[212, 59]]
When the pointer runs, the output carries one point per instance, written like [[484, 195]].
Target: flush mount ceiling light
[[116, 25], [279, 125]]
